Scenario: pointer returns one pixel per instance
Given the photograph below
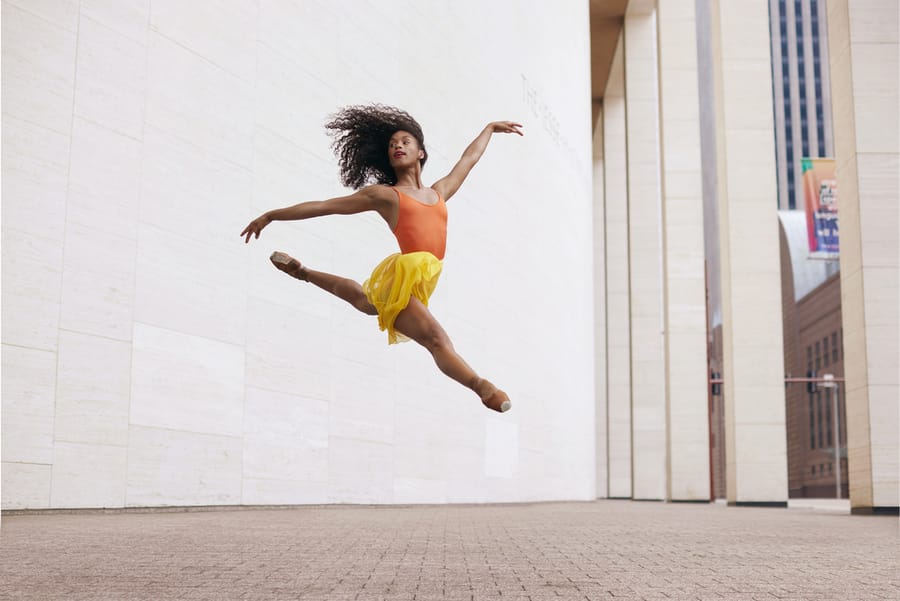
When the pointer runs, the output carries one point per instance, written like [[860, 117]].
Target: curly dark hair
[[361, 134]]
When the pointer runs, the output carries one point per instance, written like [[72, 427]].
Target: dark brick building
[[811, 310]]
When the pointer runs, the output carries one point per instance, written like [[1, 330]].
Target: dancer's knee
[[435, 339], [365, 306], [352, 292]]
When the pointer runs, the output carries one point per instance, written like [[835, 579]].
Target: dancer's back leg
[[343, 288], [417, 322]]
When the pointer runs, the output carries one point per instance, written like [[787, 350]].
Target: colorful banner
[[821, 202]]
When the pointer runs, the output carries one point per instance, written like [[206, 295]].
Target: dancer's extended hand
[[507, 127], [255, 227]]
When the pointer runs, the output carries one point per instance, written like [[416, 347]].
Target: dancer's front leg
[[417, 322], [342, 288]]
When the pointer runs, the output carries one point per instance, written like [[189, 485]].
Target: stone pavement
[[534, 552]]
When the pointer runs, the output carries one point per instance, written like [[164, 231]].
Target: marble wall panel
[[188, 191], [360, 471], [186, 383], [284, 350], [257, 491], [25, 485], [217, 31], [421, 448], [878, 217], [285, 457], [876, 97], [294, 103], [185, 285], [171, 467], [760, 453], [111, 78], [35, 167], [198, 102], [29, 391], [314, 50], [63, 13], [88, 475], [31, 277], [419, 490], [131, 18], [104, 187], [501, 449], [883, 405], [93, 388], [39, 64], [98, 283]]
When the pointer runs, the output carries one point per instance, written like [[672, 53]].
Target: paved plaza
[[531, 552]]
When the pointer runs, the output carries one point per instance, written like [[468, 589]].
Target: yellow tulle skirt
[[395, 280]]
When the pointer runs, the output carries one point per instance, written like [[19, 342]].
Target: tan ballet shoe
[[289, 265], [499, 401]]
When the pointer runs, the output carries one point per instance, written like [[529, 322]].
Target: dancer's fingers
[[510, 127]]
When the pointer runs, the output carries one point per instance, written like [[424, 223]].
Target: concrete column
[[685, 307], [600, 377], [648, 390], [618, 298], [863, 42], [756, 454]]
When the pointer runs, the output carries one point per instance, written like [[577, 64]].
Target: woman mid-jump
[[386, 145]]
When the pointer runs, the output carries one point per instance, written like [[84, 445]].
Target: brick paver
[[534, 552]]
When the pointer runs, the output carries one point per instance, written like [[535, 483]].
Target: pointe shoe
[[289, 265], [499, 401]]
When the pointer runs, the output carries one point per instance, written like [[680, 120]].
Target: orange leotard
[[421, 227]]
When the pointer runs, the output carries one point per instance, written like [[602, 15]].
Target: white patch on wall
[[501, 448]]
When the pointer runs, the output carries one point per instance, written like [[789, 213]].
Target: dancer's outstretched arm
[[371, 198], [447, 186]]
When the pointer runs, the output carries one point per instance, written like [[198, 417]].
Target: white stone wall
[[151, 358]]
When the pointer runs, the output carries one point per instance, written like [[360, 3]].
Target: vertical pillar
[[600, 378], [756, 453], [648, 402], [685, 306], [863, 41], [618, 330]]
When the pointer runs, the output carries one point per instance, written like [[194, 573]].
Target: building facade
[[801, 92], [700, 143]]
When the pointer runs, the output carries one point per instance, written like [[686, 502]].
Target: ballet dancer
[[385, 145]]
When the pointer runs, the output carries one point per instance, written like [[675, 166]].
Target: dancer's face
[[404, 150]]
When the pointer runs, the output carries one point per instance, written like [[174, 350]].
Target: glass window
[[818, 356], [834, 347], [819, 418], [812, 423], [825, 352]]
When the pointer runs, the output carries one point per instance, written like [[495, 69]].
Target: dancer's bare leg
[[343, 288], [417, 322]]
